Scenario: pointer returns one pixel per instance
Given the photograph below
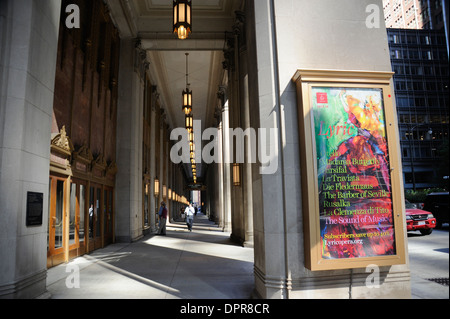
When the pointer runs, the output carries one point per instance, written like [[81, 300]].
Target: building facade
[[86, 123], [416, 14], [420, 62]]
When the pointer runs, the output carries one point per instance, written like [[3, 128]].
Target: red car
[[417, 219]]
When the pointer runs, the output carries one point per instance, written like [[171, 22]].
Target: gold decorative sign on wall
[[352, 192]]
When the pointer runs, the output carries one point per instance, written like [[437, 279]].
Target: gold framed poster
[[351, 183]]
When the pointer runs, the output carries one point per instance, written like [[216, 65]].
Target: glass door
[[108, 220], [56, 222], [95, 217], [77, 217]]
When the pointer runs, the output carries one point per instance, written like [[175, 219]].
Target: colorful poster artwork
[[356, 216]]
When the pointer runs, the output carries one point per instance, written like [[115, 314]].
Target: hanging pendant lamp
[[187, 94], [191, 138], [189, 123], [236, 174], [187, 101], [182, 18], [156, 190]]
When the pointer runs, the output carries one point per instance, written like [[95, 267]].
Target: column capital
[[141, 63], [239, 23], [222, 94]]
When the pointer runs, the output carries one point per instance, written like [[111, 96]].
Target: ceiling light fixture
[[236, 174], [156, 186], [189, 123], [187, 94], [182, 18]]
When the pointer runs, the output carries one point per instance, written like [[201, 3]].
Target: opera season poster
[[355, 200]]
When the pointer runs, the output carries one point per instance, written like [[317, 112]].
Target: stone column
[[247, 169], [276, 53], [226, 163], [152, 203], [214, 173], [129, 143], [269, 235], [237, 214], [161, 157], [167, 164], [241, 30], [28, 51], [220, 188]]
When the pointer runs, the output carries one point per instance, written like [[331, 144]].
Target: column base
[[27, 288]]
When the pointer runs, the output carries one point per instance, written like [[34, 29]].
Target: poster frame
[[305, 80]]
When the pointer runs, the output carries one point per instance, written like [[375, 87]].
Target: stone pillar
[[275, 53], [232, 55], [220, 188], [129, 142], [226, 164], [167, 170], [28, 51], [242, 199], [247, 168], [214, 181], [161, 158], [269, 231], [152, 203]]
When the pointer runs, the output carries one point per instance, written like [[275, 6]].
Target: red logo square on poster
[[322, 97]]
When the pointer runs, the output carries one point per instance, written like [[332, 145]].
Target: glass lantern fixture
[[156, 186], [236, 174], [182, 18], [187, 101], [191, 138], [187, 94], [189, 122]]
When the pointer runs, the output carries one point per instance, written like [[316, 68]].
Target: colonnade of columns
[[230, 180], [145, 179]]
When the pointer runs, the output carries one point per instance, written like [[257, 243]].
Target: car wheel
[[426, 231]]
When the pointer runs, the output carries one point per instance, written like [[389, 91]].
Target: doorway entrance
[[79, 221], [56, 221], [95, 216], [77, 218], [101, 217]]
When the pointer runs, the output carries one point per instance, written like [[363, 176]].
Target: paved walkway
[[202, 264]]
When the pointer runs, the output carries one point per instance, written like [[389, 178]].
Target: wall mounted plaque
[[35, 203]]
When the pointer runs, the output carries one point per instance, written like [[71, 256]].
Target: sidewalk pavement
[[202, 264]]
